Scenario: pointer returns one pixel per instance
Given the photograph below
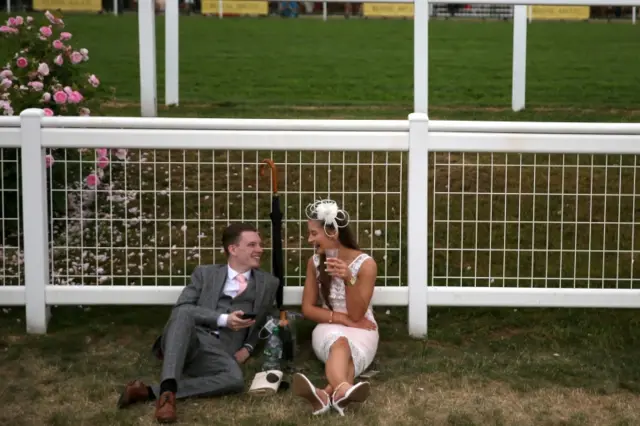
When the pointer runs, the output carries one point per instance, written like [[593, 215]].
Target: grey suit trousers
[[197, 360]]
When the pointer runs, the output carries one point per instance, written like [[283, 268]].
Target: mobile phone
[[249, 315]]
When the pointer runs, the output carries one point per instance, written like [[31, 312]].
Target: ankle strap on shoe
[[335, 391]]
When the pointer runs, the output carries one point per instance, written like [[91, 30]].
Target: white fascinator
[[328, 212]]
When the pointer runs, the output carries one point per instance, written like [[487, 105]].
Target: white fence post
[[147, 45], [171, 52], [35, 216], [417, 223], [421, 56], [518, 78]]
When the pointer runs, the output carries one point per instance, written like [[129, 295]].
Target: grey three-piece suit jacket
[[204, 299]]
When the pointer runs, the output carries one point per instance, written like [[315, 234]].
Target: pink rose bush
[[44, 70]]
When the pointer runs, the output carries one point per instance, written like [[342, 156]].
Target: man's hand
[[242, 355], [235, 322]]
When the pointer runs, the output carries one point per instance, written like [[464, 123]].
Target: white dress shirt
[[231, 288]]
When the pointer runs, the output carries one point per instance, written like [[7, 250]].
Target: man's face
[[248, 251]]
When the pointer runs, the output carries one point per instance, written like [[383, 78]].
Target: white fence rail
[[455, 213]]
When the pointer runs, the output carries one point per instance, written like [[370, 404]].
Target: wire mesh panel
[[149, 217], [557, 221], [11, 253]]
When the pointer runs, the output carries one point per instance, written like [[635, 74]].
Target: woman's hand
[[338, 268], [363, 323]]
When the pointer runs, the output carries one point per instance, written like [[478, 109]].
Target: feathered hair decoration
[[328, 212]]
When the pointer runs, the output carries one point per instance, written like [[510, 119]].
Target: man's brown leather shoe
[[134, 392], [166, 408]]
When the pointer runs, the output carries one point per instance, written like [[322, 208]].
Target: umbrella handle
[[274, 173]]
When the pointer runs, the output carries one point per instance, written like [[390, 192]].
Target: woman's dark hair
[[348, 240]]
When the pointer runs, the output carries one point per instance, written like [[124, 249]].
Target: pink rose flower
[[36, 85], [65, 36], [5, 107], [57, 44], [11, 22], [46, 97], [92, 180], [76, 58], [46, 31], [52, 19], [75, 97], [60, 97], [58, 60], [48, 159], [6, 83], [103, 162], [67, 90], [121, 154], [6, 29], [22, 62], [19, 20], [48, 112], [101, 152], [93, 80], [6, 74], [43, 69]]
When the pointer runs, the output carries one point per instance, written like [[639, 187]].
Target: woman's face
[[318, 238]]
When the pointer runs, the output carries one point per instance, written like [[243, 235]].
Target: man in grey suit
[[206, 336]]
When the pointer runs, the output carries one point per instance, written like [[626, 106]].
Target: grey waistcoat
[[233, 340]]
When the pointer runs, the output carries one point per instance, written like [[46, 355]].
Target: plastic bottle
[[273, 351]]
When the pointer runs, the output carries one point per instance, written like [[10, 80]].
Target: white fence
[[455, 213]]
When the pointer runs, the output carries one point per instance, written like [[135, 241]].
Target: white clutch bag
[[266, 383]]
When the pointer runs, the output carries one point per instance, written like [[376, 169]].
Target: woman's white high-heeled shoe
[[357, 393], [304, 388]]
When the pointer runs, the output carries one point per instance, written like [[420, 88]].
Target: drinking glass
[[330, 253]]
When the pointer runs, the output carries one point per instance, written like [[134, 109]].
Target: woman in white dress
[[346, 338]]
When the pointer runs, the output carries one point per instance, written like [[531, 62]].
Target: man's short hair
[[232, 233]]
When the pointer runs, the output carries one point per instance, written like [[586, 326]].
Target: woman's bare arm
[[310, 296], [359, 295]]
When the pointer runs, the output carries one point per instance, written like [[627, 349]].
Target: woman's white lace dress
[[363, 343]]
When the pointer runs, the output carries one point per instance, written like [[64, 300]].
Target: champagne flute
[[331, 254]]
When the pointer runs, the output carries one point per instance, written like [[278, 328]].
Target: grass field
[[364, 68], [478, 367]]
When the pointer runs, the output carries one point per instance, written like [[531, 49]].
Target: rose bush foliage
[[42, 69]]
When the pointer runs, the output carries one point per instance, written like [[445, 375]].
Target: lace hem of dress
[[359, 360]]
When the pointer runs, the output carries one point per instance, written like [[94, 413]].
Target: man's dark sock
[[168, 385], [152, 396]]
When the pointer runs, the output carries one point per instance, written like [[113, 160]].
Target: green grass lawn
[[364, 68], [478, 367]]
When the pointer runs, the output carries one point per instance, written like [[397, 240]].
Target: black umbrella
[[277, 261]]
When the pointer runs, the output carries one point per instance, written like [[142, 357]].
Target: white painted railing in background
[[418, 136]]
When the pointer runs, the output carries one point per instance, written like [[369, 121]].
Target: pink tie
[[243, 283]]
